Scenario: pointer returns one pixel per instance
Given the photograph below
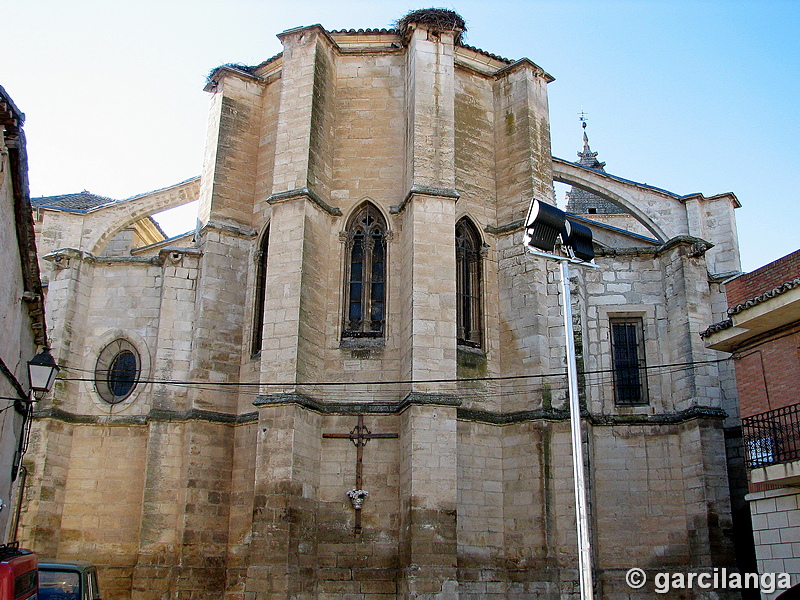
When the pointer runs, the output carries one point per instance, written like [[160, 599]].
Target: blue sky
[[689, 96]]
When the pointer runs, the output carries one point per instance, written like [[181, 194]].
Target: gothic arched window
[[365, 274], [260, 294], [468, 284]]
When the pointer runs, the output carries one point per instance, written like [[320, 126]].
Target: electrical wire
[[511, 385]]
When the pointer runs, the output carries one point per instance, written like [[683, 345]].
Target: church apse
[[354, 383]]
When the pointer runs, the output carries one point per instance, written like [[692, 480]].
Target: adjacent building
[[22, 324], [763, 333], [349, 381]]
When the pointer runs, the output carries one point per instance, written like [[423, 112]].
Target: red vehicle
[[19, 578]]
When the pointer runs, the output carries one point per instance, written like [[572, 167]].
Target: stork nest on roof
[[439, 19]]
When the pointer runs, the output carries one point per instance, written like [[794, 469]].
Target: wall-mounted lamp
[[42, 371]]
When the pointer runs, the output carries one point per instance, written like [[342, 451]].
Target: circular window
[[117, 371]]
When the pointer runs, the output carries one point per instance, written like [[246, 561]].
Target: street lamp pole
[[543, 225], [579, 477]]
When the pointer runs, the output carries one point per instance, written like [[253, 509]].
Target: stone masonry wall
[[776, 530], [101, 511], [366, 564], [233, 492]]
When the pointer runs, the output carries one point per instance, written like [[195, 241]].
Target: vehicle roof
[[74, 565]]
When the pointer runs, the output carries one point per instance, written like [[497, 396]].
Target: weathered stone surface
[[213, 478]]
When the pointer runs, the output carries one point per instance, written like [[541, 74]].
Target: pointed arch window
[[468, 285], [365, 276], [260, 295]]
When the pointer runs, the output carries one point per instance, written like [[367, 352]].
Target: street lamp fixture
[[577, 239], [543, 227], [42, 371]]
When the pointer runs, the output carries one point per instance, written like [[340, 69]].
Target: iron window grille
[[629, 366]]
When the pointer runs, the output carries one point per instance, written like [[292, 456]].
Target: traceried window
[[468, 284], [260, 295], [365, 276], [630, 373], [117, 371]]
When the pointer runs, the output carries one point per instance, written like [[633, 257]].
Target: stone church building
[[349, 381]]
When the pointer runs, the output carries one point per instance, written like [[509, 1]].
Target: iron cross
[[360, 435]]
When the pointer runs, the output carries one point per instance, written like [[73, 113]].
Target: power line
[[675, 367]]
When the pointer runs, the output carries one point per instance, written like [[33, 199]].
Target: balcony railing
[[772, 437]]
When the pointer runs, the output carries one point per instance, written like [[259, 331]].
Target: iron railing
[[772, 437]]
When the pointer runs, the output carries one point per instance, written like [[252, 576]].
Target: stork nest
[[439, 19]]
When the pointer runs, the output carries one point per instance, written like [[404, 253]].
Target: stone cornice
[[730, 196], [155, 414], [307, 28], [697, 247], [421, 190], [231, 229], [383, 408], [555, 415], [218, 73], [669, 418], [507, 228], [62, 257], [309, 195], [525, 63], [501, 418], [355, 408]]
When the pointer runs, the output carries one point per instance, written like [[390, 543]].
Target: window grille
[[628, 355]]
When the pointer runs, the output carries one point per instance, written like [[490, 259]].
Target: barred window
[[365, 278], [630, 372], [260, 295], [468, 285]]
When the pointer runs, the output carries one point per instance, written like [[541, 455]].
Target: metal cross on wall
[[360, 435]]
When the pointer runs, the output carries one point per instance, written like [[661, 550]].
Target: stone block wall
[[366, 564], [50, 447], [776, 531], [100, 516], [638, 497], [240, 495]]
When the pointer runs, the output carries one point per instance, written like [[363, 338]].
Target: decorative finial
[[587, 157], [584, 118]]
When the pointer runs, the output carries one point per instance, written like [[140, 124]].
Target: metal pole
[[581, 506]]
